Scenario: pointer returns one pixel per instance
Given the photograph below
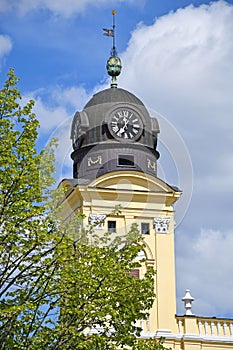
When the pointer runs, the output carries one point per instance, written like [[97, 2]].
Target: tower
[[115, 163]]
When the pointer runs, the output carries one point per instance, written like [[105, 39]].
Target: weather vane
[[114, 63], [111, 32]]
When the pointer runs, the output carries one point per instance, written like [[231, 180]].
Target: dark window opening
[[145, 228], [126, 159], [111, 226]]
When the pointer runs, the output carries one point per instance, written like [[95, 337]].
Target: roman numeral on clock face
[[115, 128]]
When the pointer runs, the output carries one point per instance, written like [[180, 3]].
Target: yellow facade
[[115, 163], [147, 199]]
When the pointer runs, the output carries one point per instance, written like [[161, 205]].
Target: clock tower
[[115, 163], [114, 132]]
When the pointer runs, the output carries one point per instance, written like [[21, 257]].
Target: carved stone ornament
[[97, 219], [96, 160], [151, 164], [161, 225]]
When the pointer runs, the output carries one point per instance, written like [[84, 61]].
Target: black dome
[[113, 95], [97, 151]]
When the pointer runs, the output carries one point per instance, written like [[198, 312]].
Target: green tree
[[25, 231], [61, 286]]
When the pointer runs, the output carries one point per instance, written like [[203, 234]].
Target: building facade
[[115, 163]]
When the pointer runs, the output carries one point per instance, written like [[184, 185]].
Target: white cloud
[[184, 57], [205, 267], [181, 66], [52, 108], [49, 117], [53, 105], [58, 7], [55, 122], [73, 96], [5, 45]]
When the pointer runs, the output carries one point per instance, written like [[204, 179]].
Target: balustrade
[[207, 327]]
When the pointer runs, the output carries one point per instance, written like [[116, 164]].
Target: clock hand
[[121, 130], [126, 121]]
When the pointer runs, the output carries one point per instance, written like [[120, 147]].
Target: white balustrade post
[[231, 329], [212, 328], [224, 328], [180, 327]]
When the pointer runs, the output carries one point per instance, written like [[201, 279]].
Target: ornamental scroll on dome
[[94, 160], [151, 164]]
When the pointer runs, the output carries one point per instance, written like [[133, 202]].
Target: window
[[145, 228], [126, 160], [111, 226], [134, 273]]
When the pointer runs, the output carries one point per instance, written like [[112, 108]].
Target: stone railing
[[205, 327]]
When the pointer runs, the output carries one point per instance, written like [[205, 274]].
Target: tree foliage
[[25, 241], [61, 286]]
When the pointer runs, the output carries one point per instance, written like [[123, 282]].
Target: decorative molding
[[96, 160], [166, 333], [97, 220], [161, 225], [151, 164]]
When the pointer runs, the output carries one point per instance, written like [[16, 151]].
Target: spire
[[114, 63]]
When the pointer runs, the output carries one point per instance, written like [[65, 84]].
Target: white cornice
[[166, 333]]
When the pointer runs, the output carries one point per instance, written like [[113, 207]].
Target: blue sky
[[177, 58]]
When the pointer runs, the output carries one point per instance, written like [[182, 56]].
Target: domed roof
[[113, 95]]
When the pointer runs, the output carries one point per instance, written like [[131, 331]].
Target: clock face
[[125, 124]]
